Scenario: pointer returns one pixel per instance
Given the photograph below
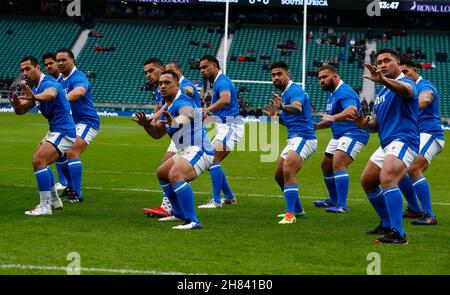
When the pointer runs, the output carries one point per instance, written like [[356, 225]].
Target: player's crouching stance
[[301, 144], [396, 108], [49, 97], [194, 155]]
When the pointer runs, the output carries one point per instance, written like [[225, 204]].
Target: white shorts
[[345, 144], [172, 148], [60, 141], [395, 148], [430, 146], [200, 160], [86, 132], [304, 147], [229, 134]]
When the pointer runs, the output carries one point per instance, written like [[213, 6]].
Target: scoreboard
[[429, 6]]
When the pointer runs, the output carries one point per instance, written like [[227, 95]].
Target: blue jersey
[[343, 97], [397, 117], [159, 101], [56, 111], [222, 84], [429, 120], [185, 137], [186, 83], [298, 125], [83, 109]]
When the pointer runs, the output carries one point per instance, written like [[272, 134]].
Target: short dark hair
[[176, 64], [172, 73], [407, 62], [211, 58], [154, 60], [279, 64], [393, 52], [51, 55], [31, 58], [329, 68], [65, 50]]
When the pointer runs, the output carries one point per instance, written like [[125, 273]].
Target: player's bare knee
[[387, 181], [338, 166], [71, 154], [175, 175], [161, 173], [288, 172], [38, 163], [415, 174]]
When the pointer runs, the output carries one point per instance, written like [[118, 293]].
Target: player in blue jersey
[[431, 143], [347, 142], [51, 67], [186, 86], [87, 121], [301, 143], [49, 97], [195, 153], [229, 126], [396, 109], [153, 67]]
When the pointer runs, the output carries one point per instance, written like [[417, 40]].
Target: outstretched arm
[[364, 123], [186, 115], [342, 116], [222, 102], [322, 125], [76, 93], [155, 129], [20, 106], [270, 110], [293, 108], [402, 88]]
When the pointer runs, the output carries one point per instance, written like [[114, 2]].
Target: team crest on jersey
[[329, 106], [380, 99]]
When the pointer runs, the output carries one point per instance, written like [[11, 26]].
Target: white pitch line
[[203, 193], [90, 269]]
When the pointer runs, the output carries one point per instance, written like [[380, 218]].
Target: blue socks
[[379, 204], [76, 171], [292, 200], [60, 169], [53, 192], [406, 186], [423, 192], [226, 188], [52, 177], [170, 194], [219, 181], [185, 196], [341, 181], [394, 202], [44, 184], [331, 187], [65, 171]]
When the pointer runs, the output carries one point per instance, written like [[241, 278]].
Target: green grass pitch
[[109, 230]]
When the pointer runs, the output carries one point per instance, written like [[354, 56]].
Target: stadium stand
[[25, 36], [254, 42], [119, 73]]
